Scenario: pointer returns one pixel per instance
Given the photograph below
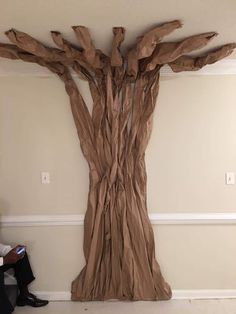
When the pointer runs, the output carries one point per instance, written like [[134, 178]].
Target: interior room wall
[[193, 144]]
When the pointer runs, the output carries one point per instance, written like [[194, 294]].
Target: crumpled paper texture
[[119, 246]]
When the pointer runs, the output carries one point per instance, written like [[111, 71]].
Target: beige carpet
[[164, 307]]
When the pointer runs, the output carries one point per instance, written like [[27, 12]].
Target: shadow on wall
[[4, 209]]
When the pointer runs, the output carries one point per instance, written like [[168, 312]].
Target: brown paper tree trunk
[[119, 244]]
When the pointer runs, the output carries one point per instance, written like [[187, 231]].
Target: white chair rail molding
[[155, 218]]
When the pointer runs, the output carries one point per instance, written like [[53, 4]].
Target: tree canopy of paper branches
[[119, 246]]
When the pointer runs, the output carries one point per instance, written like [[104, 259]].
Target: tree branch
[[92, 55], [10, 51], [145, 126], [168, 52], [188, 63], [80, 65], [83, 122], [147, 44], [13, 52], [119, 36], [33, 46]]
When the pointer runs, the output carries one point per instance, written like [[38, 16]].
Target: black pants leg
[[24, 276]]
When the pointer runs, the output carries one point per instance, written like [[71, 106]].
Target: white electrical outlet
[[45, 177], [229, 178]]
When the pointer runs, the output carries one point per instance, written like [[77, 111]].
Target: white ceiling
[[38, 17]]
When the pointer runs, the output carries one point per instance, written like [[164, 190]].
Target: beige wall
[[191, 257], [192, 146]]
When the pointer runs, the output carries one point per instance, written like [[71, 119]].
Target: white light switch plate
[[229, 178], [45, 177]]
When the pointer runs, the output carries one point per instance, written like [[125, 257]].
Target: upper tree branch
[[188, 63], [92, 55], [35, 47], [10, 51], [13, 52], [83, 122], [80, 65], [116, 57], [117, 61], [147, 43], [89, 61], [168, 52]]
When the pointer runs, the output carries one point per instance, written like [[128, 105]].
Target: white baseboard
[[177, 294], [204, 294], [54, 295]]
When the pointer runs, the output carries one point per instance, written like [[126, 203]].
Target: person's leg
[[5, 305], [24, 275]]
